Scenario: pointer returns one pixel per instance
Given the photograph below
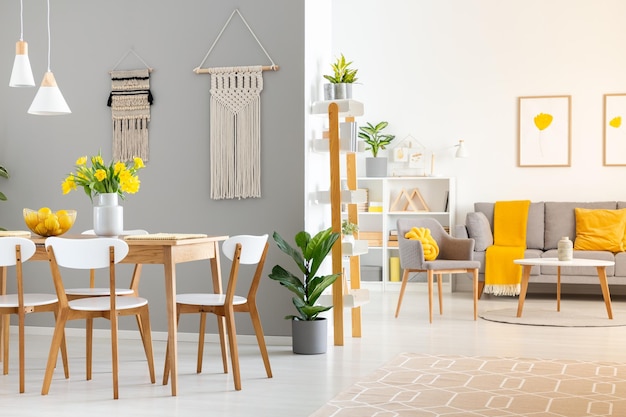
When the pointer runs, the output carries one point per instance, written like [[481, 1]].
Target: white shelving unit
[[438, 194]]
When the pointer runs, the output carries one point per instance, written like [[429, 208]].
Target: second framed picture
[[614, 130], [544, 138]]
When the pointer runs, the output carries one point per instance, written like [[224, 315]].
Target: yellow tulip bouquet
[[116, 177]]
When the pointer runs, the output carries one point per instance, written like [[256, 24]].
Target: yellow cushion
[[600, 229], [431, 249]]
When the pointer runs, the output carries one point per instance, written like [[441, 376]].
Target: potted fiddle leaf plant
[[376, 141], [341, 80], [309, 331]]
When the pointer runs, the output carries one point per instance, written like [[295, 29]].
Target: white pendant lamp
[[22, 74], [49, 101]]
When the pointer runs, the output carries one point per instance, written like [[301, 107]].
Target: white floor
[[301, 384]]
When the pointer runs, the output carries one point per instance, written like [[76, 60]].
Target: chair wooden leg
[[144, 317], [89, 347], [114, 354], [201, 330], [222, 333], [430, 295], [481, 287], [260, 337], [5, 343], [57, 339], [66, 362], [405, 279], [232, 341], [21, 349], [440, 291]]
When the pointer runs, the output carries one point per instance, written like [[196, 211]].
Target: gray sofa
[[548, 222]]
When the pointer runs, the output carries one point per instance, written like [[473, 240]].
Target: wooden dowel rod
[[264, 68]]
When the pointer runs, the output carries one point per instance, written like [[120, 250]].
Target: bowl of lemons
[[46, 222]]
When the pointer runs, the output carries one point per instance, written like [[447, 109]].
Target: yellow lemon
[[32, 219], [52, 222], [43, 213], [65, 221], [40, 229]]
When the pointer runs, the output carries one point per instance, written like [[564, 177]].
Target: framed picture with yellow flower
[[544, 137], [614, 130]]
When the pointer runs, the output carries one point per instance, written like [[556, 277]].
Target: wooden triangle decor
[[410, 200]]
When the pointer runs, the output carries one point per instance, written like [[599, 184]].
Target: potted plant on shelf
[[376, 140], [309, 332], [341, 80], [347, 230]]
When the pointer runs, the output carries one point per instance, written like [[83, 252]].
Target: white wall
[[453, 69]]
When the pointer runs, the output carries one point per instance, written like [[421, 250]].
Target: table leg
[[170, 301], [524, 288], [558, 288], [604, 285]]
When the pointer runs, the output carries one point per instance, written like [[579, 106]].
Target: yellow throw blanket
[[502, 276]]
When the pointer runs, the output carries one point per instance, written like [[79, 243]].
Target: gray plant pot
[[309, 337], [376, 167], [339, 91]]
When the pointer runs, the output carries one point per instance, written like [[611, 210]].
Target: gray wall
[[88, 40]]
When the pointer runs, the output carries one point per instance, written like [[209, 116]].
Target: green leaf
[[3, 197]]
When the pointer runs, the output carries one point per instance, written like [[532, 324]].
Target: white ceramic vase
[[108, 215]]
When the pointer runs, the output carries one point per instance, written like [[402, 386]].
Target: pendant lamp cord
[[48, 35], [21, 20]]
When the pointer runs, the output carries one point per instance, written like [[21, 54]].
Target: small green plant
[[348, 228], [313, 251], [342, 72], [376, 140]]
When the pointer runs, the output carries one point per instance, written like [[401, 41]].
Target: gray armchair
[[455, 257]]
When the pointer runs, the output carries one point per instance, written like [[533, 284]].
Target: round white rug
[[539, 316]]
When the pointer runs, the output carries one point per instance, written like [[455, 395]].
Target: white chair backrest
[[86, 253], [252, 248], [7, 249], [124, 232]]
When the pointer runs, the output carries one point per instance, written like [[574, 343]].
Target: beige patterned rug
[[416, 385]]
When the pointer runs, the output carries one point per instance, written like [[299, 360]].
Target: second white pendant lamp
[[49, 101]]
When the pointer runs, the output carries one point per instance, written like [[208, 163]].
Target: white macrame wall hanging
[[130, 102], [235, 133]]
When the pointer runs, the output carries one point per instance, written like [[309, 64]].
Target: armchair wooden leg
[[475, 293], [440, 291], [481, 287], [405, 279], [430, 295]]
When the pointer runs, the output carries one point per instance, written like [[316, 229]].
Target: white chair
[[93, 291], [241, 250], [13, 252], [86, 254]]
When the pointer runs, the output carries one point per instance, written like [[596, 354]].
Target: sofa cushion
[[560, 219], [479, 229], [600, 229], [534, 228]]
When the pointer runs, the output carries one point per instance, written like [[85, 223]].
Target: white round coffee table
[[528, 263]]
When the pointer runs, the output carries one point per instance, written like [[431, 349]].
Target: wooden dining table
[[167, 252]]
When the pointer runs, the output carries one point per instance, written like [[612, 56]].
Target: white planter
[[108, 215]]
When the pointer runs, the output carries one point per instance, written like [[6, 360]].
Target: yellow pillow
[[600, 229], [431, 249]]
